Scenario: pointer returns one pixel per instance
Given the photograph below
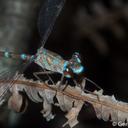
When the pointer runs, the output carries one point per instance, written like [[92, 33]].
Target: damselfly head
[[73, 66], [76, 63]]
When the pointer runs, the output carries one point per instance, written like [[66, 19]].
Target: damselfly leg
[[61, 83], [82, 85], [93, 83], [36, 74]]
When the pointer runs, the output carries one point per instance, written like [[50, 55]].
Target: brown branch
[[73, 93]]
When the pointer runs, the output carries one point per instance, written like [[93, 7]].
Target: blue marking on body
[[65, 65], [78, 60], [23, 56], [79, 70], [7, 54]]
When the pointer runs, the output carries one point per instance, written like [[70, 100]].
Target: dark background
[[96, 28]]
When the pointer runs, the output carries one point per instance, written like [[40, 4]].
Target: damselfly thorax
[[50, 60]]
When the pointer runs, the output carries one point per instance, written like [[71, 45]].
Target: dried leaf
[[70, 100]]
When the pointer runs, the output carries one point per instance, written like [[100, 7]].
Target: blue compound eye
[[76, 53], [78, 60]]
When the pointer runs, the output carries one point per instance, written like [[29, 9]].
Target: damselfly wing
[[47, 17], [9, 67]]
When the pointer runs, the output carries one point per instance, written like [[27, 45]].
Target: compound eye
[[76, 53], [77, 57]]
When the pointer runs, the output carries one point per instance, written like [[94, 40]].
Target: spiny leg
[[92, 94], [65, 85], [96, 85], [43, 73], [85, 90], [78, 85], [61, 82]]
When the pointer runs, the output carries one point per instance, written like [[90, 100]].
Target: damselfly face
[[75, 63], [74, 66]]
